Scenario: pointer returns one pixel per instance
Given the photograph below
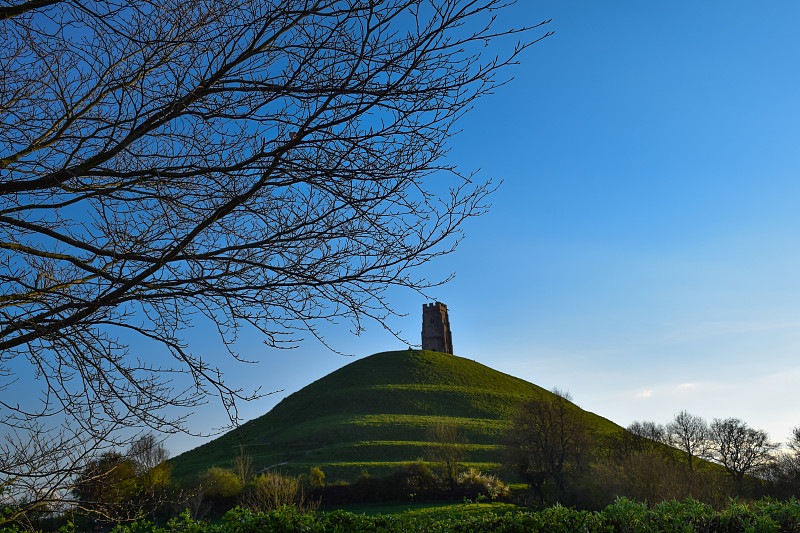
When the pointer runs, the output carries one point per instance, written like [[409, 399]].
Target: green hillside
[[375, 414]]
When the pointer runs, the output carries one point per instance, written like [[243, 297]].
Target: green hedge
[[764, 516]]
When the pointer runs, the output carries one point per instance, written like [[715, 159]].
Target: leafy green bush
[[622, 516], [220, 482]]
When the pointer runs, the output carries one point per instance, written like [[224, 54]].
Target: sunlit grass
[[378, 412]]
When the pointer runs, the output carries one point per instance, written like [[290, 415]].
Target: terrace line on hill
[[374, 414]]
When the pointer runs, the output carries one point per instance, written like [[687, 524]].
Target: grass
[[378, 411], [427, 509]]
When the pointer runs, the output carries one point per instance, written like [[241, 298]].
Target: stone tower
[[436, 334]]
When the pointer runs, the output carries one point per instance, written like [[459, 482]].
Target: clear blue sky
[[642, 251]]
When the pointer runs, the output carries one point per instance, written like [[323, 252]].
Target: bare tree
[[549, 444], [689, 433], [648, 430], [447, 448], [784, 474], [165, 164], [794, 444], [243, 466], [147, 452], [741, 449]]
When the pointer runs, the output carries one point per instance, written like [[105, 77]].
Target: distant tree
[[268, 164], [784, 474], [690, 434], [154, 483], [147, 452], [548, 444], [741, 449], [794, 444], [567, 395], [446, 448], [648, 430]]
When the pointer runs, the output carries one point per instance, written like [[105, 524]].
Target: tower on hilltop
[[436, 334]]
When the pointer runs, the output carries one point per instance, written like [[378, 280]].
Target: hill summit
[[377, 413]]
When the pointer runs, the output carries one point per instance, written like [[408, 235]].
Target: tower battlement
[[436, 335]]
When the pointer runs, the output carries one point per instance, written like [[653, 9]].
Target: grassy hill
[[375, 414]]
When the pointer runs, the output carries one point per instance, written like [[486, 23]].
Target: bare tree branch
[[271, 164]]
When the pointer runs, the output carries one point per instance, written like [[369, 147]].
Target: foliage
[[316, 477], [221, 482], [474, 481], [122, 487], [107, 487], [270, 491], [623, 515]]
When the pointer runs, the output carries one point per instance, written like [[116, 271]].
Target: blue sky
[[642, 249]]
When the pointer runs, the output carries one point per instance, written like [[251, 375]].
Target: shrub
[[415, 478], [272, 490], [220, 483], [316, 477], [475, 482]]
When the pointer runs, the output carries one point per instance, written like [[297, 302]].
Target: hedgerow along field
[[764, 516], [375, 414]]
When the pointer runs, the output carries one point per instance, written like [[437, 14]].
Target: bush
[[220, 483], [475, 482], [272, 490], [316, 477], [415, 478]]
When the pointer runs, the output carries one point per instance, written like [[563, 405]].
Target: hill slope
[[376, 413]]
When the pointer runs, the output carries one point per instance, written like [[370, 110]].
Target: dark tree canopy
[[549, 445], [268, 164]]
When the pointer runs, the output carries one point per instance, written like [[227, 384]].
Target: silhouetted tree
[[794, 444], [648, 430], [741, 449], [549, 444], [266, 164], [784, 473], [690, 434]]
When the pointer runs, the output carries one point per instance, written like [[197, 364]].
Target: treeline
[[748, 455], [552, 447]]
